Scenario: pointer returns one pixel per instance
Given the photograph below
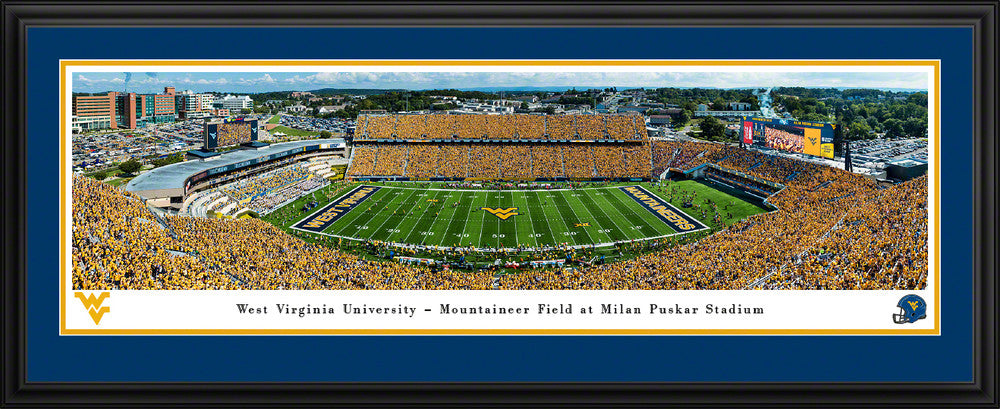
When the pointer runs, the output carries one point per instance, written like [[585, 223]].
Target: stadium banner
[[333, 211], [747, 132], [789, 135], [665, 211]]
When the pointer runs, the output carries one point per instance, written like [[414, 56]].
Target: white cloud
[[267, 81]]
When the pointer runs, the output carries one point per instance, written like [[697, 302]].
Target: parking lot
[[891, 149], [316, 124], [98, 150]]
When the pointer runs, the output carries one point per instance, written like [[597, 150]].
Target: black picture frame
[[981, 16]]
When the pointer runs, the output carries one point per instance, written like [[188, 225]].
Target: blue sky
[[253, 82]]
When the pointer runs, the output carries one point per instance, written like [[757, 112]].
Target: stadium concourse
[[832, 229], [245, 175]]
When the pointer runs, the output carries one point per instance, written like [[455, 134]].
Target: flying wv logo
[[503, 214], [812, 141], [93, 305]]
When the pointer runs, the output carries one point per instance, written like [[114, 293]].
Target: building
[[725, 114], [186, 102], [122, 111], [207, 100], [169, 186], [329, 109], [739, 106], [135, 110], [632, 108], [297, 108], [188, 105], [905, 169], [94, 112], [660, 119], [233, 103]]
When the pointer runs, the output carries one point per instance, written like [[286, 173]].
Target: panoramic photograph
[[514, 180]]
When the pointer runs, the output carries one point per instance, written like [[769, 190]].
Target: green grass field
[[274, 119], [407, 213], [292, 131]]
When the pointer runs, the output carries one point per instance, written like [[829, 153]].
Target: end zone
[[675, 218], [323, 218]]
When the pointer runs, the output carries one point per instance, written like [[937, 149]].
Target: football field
[[499, 219]]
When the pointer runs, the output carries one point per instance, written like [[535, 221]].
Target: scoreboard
[[227, 133], [810, 138]]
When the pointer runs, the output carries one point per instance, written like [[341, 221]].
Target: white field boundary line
[[494, 190], [629, 210], [606, 215], [494, 250], [531, 220], [324, 207], [592, 216], [569, 233], [451, 220], [379, 228], [409, 245], [436, 217], [674, 207], [354, 216]]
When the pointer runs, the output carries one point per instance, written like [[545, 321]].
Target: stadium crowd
[[118, 243], [782, 139], [501, 127], [275, 199], [507, 161], [832, 230], [263, 184], [231, 133]]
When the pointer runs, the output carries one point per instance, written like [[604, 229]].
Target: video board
[[810, 138], [228, 133]]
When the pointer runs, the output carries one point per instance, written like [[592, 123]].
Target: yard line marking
[[606, 215], [390, 217], [642, 216], [360, 215], [563, 218], [531, 220], [343, 228], [480, 243], [592, 239], [421, 219], [454, 218]]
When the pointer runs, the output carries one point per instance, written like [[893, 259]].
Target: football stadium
[[502, 202]]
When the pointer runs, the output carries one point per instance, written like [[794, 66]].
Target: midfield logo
[[587, 224], [93, 305], [503, 214]]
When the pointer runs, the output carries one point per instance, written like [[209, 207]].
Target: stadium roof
[[173, 176], [906, 163]]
